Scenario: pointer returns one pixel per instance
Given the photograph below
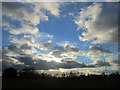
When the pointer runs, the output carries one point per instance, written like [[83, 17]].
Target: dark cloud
[[12, 56], [12, 47], [26, 60], [16, 49], [25, 46], [39, 64]]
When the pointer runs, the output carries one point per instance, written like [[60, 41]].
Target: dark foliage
[[29, 78], [9, 73], [29, 73]]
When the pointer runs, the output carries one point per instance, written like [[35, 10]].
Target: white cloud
[[26, 39], [100, 22], [25, 29], [29, 15], [20, 12], [45, 35], [31, 12], [53, 8], [66, 43]]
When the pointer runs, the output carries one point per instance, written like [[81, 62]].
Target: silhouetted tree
[[9, 73], [63, 75], [27, 73], [72, 75]]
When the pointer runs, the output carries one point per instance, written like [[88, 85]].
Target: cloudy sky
[[60, 37]]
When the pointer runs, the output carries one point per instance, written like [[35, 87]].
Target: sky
[[60, 37]]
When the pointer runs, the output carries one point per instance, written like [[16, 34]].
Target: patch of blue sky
[[84, 60], [5, 38], [63, 28]]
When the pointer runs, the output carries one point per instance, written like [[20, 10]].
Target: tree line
[[30, 73]]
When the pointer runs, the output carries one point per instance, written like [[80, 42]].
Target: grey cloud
[[102, 63], [59, 50], [12, 47], [25, 60], [25, 46], [39, 64], [28, 60], [116, 61], [57, 53], [16, 50], [98, 49], [43, 64], [113, 60], [75, 49], [45, 45], [99, 63]]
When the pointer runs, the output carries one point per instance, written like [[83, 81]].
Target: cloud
[[99, 51], [26, 39], [23, 18], [100, 22], [45, 35], [45, 46], [113, 60], [28, 42], [96, 53], [99, 63], [8, 53], [19, 11], [53, 8], [66, 43], [66, 50], [24, 30], [16, 57], [15, 50], [38, 64], [25, 46], [24, 11], [25, 36]]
